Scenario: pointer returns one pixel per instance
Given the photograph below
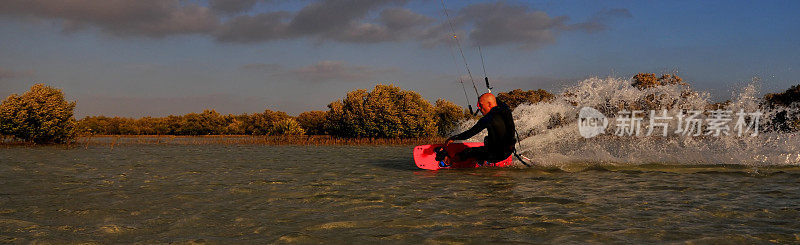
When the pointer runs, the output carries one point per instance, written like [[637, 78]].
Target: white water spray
[[549, 131]]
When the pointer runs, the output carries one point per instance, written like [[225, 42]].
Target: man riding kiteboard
[[498, 144]]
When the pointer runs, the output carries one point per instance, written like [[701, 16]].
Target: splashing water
[[549, 130]]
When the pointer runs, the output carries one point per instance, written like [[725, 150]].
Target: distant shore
[[113, 140]]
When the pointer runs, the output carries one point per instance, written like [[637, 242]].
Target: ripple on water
[[287, 194]]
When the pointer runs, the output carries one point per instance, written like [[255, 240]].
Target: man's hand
[[447, 142]]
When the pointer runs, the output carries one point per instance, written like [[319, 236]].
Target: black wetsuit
[[499, 143]]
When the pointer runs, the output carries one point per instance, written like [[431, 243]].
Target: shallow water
[[321, 194]]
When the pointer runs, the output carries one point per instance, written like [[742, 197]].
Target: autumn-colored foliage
[[116, 125], [517, 97], [649, 80], [206, 123], [785, 98], [41, 115], [448, 115], [287, 126], [265, 123], [209, 122], [313, 122], [784, 120], [385, 112]]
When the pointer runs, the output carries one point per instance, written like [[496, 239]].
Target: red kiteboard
[[425, 157]]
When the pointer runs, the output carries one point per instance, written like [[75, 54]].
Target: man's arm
[[477, 128]]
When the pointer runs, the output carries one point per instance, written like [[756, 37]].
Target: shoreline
[[114, 140]]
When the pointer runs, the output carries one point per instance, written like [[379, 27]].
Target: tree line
[[208, 122], [43, 115]]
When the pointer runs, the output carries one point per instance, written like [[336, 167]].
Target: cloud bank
[[153, 18], [346, 21]]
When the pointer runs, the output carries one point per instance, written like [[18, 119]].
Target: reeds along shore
[[114, 140]]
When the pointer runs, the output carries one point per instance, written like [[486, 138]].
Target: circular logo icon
[[591, 122]]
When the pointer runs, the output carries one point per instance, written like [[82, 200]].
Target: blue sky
[[159, 57]]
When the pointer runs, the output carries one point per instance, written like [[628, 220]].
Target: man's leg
[[480, 153]]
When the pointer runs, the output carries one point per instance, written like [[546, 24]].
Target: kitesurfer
[[498, 121]]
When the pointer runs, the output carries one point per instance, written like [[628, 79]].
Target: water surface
[[321, 194]]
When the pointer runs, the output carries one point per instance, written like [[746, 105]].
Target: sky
[[135, 58]]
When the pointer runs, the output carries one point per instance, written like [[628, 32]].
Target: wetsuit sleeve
[[477, 128]]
